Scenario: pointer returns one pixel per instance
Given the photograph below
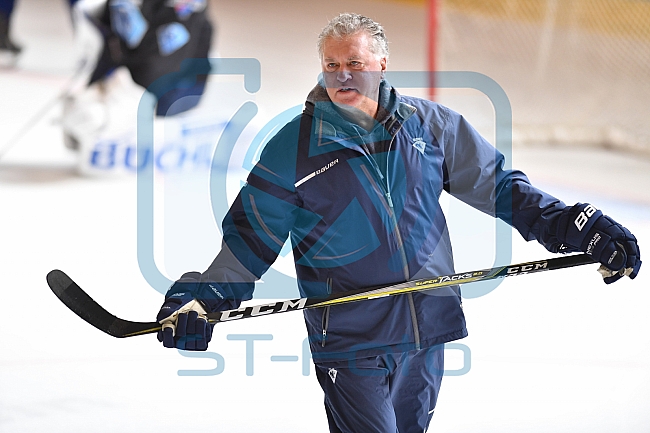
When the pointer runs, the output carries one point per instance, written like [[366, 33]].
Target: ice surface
[[557, 351]]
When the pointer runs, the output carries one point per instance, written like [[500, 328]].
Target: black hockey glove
[[183, 317], [584, 228]]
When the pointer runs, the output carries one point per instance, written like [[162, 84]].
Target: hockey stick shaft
[[85, 307]]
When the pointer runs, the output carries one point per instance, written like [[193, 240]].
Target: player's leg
[[6, 44], [357, 398], [414, 387]]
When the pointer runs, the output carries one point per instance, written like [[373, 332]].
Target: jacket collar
[[329, 122]]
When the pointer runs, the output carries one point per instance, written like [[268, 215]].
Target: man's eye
[[331, 65], [355, 64]]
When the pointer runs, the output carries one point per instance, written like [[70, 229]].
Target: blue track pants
[[383, 394]]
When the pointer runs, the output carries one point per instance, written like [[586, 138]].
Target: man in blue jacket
[[354, 182]]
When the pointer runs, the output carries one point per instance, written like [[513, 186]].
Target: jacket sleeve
[[474, 173], [258, 222]]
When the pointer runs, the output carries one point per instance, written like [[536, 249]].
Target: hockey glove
[[183, 318], [584, 228]]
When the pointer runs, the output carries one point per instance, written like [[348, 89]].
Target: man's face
[[352, 72]]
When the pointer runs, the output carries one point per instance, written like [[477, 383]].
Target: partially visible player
[[151, 39]]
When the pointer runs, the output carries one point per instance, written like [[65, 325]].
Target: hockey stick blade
[[88, 309], [85, 307]]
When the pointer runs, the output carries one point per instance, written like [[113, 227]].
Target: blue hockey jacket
[[361, 209]]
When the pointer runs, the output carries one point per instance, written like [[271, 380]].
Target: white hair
[[347, 24]]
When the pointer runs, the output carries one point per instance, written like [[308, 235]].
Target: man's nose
[[342, 76]]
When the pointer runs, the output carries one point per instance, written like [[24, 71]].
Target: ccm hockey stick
[[85, 307]]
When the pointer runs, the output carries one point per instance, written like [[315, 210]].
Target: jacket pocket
[[326, 315], [324, 323]]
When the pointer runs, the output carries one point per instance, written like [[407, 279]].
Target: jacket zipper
[[400, 242], [398, 234], [326, 315]]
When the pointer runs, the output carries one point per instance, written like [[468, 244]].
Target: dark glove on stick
[[183, 318], [583, 227]]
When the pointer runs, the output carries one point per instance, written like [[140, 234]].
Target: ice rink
[[552, 352]]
